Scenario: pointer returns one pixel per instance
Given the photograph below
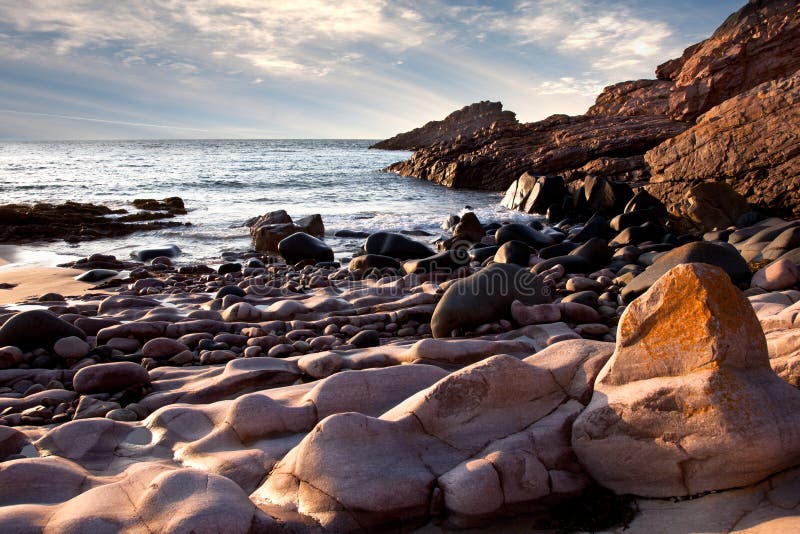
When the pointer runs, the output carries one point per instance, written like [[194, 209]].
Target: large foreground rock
[[688, 402]]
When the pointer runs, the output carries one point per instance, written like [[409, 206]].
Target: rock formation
[[464, 122], [750, 141], [756, 44]]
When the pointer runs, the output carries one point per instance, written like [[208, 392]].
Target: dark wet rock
[[33, 329], [71, 221], [396, 246], [226, 268], [312, 225], [605, 196], [469, 229], [145, 254], [364, 339], [560, 249], [721, 256], [635, 235], [515, 252], [486, 296], [481, 254], [174, 205], [301, 246], [351, 234], [596, 226], [229, 290], [521, 232]]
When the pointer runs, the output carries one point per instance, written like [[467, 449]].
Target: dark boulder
[[522, 232], [34, 329], [301, 246], [485, 297], [146, 254], [723, 256], [515, 252], [447, 261], [396, 246]]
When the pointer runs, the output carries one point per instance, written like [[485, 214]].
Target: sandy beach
[[32, 282]]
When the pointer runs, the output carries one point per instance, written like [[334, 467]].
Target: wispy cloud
[[363, 68]]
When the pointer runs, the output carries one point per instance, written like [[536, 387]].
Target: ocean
[[226, 182]]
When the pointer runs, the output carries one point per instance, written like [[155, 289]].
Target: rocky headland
[[623, 359], [725, 111]]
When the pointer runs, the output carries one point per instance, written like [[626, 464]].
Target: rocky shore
[[556, 374], [623, 358]]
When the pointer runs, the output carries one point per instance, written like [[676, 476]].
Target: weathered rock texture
[[573, 147], [756, 44], [464, 122], [639, 97], [688, 403], [751, 141]]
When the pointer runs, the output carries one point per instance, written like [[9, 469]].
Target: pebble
[[364, 339], [71, 348], [162, 348], [10, 357], [122, 414]]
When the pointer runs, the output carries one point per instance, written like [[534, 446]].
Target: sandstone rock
[[780, 274], [464, 122], [639, 97], [36, 328], [573, 147], [535, 194], [749, 141], [754, 45], [10, 356], [109, 377], [688, 402], [89, 407], [469, 229]]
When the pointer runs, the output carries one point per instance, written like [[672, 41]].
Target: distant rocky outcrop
[[756, 44], [639, 97], [464, 122], [75, 221], [574, 147]]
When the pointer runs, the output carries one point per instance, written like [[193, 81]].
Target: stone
[[698, 252], [229, 290], [227, 268], [312, 225], [515, 252], [446, 261], [33, 329], [486, 296], [302, 246], [109, 377], [96, 275], [10, 356], [162, 348], [535, 194], [71, 348], [481, 254], [688, 402], [778, 275], [468, 229], [521, 232], [89, 407], [373, 261], [146, 254], [396, 246], [364, 339]]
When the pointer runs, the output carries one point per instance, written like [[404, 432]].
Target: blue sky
[[125, 69]]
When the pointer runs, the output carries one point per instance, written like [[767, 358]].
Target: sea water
[[226, 182]]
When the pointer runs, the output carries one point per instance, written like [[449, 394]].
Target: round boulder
[[526, 234], [396, 246], [515, 252], [301, 246], [34, 329], [109, 377]]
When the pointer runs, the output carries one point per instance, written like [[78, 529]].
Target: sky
[[366, 69]]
